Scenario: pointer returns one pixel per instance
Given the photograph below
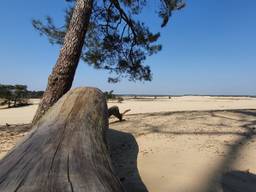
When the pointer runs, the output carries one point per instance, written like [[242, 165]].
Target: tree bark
[[61, 78], [15, 102], [9, 103], [65, 150]]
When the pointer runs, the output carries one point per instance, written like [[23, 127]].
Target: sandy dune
[[186, 149], [18, 115], [185, 103], [210, 151], [144, 105]]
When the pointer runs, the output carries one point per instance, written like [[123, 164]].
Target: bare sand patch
[[189, 151], [185, 103], [144, 105], [194, 151], [10, 135], [18, 115]]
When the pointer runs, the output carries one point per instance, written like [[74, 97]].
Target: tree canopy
[[115, 40]]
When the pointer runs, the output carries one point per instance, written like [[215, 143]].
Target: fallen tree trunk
[[65, 151]]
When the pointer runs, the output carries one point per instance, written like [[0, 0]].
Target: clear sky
[[208, 48]]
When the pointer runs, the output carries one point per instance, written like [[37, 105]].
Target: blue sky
[[208, 48]]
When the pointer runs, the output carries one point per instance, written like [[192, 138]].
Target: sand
[[185, 103], [194, 151], [194, 147], [144, 105], [10, 135], [18, 115]]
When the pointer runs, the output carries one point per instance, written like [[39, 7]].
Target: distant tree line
[[35, 94], [17, 95], [110, 96]]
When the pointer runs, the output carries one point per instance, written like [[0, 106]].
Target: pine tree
[[103, 34]]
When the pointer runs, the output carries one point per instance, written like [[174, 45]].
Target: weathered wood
[[114, 110], [65, 151]]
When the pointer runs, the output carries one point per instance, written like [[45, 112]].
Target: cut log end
[[65, 151]]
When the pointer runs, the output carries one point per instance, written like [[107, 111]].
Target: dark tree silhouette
[[14, 94], [106, 35]]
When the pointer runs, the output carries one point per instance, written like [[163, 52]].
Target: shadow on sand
[[234, 181], [238, 181], [124, 151], [17, 106], [223, 178]]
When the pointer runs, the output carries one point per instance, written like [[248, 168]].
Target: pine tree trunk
[[9, 103], [15, 102], [60, 81]]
